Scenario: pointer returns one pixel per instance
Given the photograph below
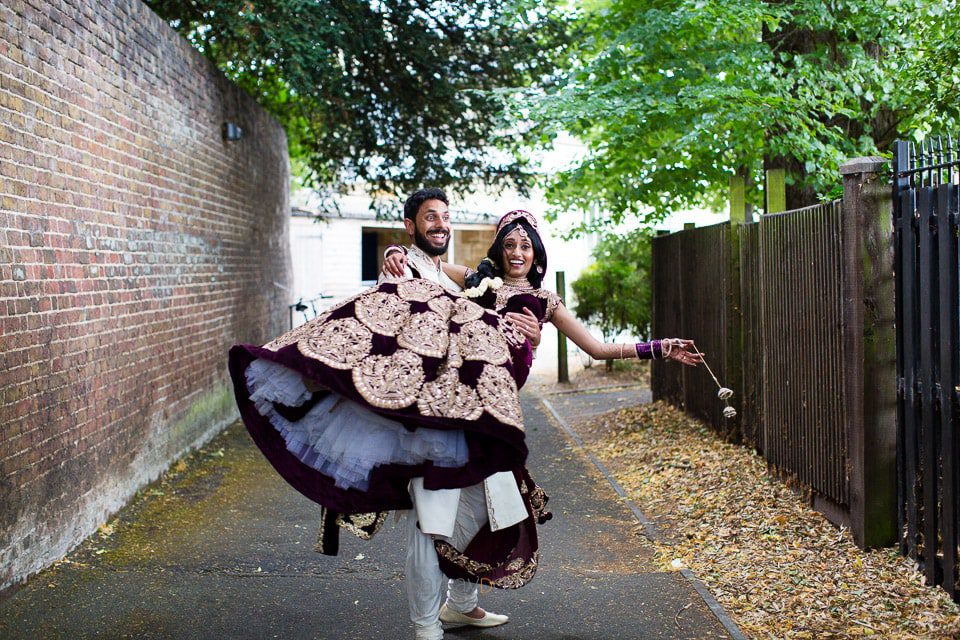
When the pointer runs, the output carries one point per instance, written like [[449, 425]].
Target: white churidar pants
[[424, 578]]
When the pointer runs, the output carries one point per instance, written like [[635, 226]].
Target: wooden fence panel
[[705, 290], [667, 318], [696, 295], [751, 389], [801, 316]]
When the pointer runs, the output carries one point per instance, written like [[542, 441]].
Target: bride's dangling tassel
[[724, 393]]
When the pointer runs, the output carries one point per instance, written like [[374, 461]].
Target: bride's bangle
[[392, 248], [646, 350]]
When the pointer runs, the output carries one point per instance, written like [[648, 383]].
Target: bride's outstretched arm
[[675, 349], [456, 272]]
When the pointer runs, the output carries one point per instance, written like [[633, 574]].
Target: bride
[[407, 380]]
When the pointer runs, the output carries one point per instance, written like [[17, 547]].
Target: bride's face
[[517, 253]]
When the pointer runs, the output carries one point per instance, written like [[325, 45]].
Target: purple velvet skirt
[[421, 382]]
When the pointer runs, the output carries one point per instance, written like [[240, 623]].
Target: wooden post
[[741, 212], [738, 202], [733, 429], [869, 351], [562, 373], [776, 191]]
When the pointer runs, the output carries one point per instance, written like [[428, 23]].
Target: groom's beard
[[421, 241]]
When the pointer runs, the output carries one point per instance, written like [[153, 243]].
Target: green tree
[[613, 293], [391, 94], [672, 97]]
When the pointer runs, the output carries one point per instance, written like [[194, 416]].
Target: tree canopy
[[391, 94], [613, 293], [672, 97]]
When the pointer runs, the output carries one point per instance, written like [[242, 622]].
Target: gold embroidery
[[454, 359], [295, 335], [480, 341], [550, 300], [522, 573], [383, 313], [491, 513], [442, 305], [538, 503], [362, 525], [340, 344], [318, 547], [418, 290], [504, 294], [448, 551], [467, 311], [553, 301], [511, 333], [498, 392], [447, 397], [425, 333], [390, 382]]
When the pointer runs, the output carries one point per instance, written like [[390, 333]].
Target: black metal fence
[[926, 204]]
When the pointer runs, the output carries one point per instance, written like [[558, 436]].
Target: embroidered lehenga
[[401, 381]]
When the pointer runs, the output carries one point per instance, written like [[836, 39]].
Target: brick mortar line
[[166, 150], [650, 531], [214, 186], [82, 209], [109, 127]]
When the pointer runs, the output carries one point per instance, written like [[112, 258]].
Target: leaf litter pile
[[780, 569]]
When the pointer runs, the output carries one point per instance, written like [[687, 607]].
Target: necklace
[[518, 283]]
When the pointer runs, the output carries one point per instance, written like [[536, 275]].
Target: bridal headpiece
[[516, 215]]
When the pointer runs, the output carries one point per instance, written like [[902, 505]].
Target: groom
[[454, 515]]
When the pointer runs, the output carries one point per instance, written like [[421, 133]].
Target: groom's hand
[[394, 264], [527, 324]]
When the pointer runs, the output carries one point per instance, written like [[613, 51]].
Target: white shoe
[[489, 619], [433, 632]]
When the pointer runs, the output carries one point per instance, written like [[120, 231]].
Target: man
[[454, 515]]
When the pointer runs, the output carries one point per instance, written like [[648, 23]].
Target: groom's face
[[431, 229]]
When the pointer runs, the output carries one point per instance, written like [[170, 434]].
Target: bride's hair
[[492, 267]]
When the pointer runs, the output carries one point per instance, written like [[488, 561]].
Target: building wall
[[136, 246]]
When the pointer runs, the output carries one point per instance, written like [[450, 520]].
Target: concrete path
[[224, 550]]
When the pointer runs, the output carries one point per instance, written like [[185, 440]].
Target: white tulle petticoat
[[341, 438]]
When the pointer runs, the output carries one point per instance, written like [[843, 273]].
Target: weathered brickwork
[[136, 246]]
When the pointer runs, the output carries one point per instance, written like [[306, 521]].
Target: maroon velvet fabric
[[499, 549], [493, 446]]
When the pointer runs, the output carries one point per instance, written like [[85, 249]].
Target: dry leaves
[[779, 568]]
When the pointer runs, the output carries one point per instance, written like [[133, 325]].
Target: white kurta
[[437, 509]]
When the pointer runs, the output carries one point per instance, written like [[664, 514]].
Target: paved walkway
[[224, 550]]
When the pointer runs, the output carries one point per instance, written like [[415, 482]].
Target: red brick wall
[[135, 247]]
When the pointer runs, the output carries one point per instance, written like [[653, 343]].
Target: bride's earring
[[539, 269]]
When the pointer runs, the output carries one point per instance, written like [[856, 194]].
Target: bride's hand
[[394, 264], [682, 351], [527, 324]]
